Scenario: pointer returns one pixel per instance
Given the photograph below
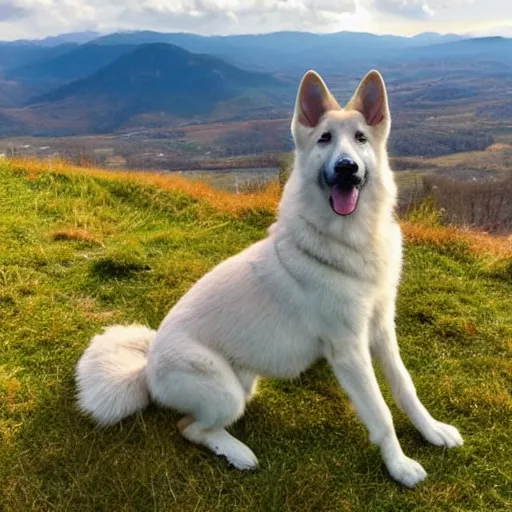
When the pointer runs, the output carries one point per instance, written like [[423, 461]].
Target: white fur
[[111, 375], [319, 286]]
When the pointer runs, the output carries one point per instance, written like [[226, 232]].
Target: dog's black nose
[[345, 165]]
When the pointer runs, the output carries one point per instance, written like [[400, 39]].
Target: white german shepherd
[[322, 284]]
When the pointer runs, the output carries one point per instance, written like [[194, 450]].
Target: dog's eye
[[325, 138], [361, 137]]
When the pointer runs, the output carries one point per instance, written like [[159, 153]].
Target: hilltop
[[84, 248]]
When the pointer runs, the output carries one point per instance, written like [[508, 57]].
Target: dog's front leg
[[384, 346], [352, 365]]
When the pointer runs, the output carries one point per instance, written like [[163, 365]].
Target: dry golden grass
[[77, 235], [223, 201], [499, 146], [267, 199], [478, 243]]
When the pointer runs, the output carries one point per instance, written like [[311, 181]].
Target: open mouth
[[344, 198]]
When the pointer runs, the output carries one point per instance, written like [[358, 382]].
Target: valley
[[219, 108]]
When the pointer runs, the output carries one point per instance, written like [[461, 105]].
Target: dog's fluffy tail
[[111, 374]]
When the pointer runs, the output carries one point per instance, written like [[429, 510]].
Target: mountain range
[[90, 83], [154, 78]]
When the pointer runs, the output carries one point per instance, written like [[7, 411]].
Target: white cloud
[[9, 10], [417, 8], [408, 17], [203, 16], [407, 9], [36, 18], [58, 12], [228, 16]]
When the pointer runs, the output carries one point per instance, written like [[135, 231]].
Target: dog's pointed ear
[[313, 100], [371, 99]]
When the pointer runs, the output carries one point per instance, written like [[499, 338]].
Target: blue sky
[[39, 18]]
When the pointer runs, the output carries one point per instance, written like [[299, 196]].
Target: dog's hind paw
[[441, 434], [221, 443], [237, 453], [407, 471], [243, 458]]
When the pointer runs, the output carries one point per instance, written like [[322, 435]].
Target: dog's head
[[341, 148]]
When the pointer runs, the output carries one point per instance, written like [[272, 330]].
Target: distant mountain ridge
[[78, 63], [153, 78], [278, 52], [17, 54], [144, 78], [287, 50], [493, 47], [264, 52], [71, 37], [14, 54], [157, 68]]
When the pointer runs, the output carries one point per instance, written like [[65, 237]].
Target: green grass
[[78, 253]]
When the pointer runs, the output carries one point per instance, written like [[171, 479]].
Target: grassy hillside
[[83, 249]]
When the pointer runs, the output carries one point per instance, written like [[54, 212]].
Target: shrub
[[485, 205]]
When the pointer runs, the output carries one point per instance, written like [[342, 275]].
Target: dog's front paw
[[441, 434], [406, 471]]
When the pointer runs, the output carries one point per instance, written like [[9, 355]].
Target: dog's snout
[[345, 165], [344, 172]]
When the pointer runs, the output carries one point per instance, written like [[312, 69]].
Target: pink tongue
[[344, 202]]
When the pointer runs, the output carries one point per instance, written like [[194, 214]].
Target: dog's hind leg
[[385, 348], [191, 378], [249, 383], [219, 441]]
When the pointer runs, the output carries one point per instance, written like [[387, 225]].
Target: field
[[429, 135], [84, 248]]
